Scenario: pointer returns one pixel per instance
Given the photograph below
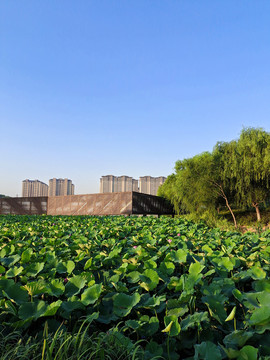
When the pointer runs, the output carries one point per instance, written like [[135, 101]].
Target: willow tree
[[192, 180], [169, 191], [198, 184], [247, 168]]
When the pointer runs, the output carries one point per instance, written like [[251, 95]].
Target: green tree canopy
[[248, 168], [236, 172]]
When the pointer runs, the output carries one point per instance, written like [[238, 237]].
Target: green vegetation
[[132, 288], [234, 175]]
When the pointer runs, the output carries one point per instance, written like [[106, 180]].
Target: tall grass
[[62, 345]]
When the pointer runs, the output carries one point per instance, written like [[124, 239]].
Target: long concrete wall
[[122, 203], [91, 204]]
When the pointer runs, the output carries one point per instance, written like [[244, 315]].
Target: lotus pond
[[186, 290]]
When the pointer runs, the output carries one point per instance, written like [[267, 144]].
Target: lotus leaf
[[248, 353], [150, 279], [207, 351], [172, 326], [65, 267], [123, 303], [14, 271], [10, 260], [74, 285], [35, 268], [16, 293], [91, 295], [56, 287]]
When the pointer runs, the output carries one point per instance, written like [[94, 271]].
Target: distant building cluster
[[56, 187], [111, 183], [145, 184]]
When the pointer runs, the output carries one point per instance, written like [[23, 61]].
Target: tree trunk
[[256, 206], [222, 194], [228, 206]]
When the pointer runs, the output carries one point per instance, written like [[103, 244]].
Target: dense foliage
[[186, 290], [235, 174]]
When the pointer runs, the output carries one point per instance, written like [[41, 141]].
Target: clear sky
[[122, 87]]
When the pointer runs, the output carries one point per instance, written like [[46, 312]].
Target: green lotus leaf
[[256, 273], [224, 263], [73, 303], [10, 260], [3, 253], [65, 267], [262, 285], [194, 321], [74, 285], [176, 284], [32, 310], [261, 315], [172, 326], [26, 256], [153, 351], [196, 268], [106, 309], [56, 287], [179, 256], [5, 283], [215, 305], [2, 269], [248, 352], [91, 295], [237, 338], [16, 293], [123, 303], [150, 327], [152, 302], [178, 311], [150, 279], [167, 267], [88, 264], [150, 264], [114, 253], [133, 324], [52, 308], [133, 277], [207, 249], [36, 287], [34, 269], [114, 278], [14, 271], [207, 351], [51, 259]]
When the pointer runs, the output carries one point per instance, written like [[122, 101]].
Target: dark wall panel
[[24, 205], [150, 204]]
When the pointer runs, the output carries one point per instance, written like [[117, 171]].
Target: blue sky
[[90, 88]]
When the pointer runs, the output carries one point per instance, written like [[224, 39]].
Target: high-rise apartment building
[[147, 184], [59, 187], [111, 183], [108, 184], [34, 188], [150, 185], [126, 183]]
